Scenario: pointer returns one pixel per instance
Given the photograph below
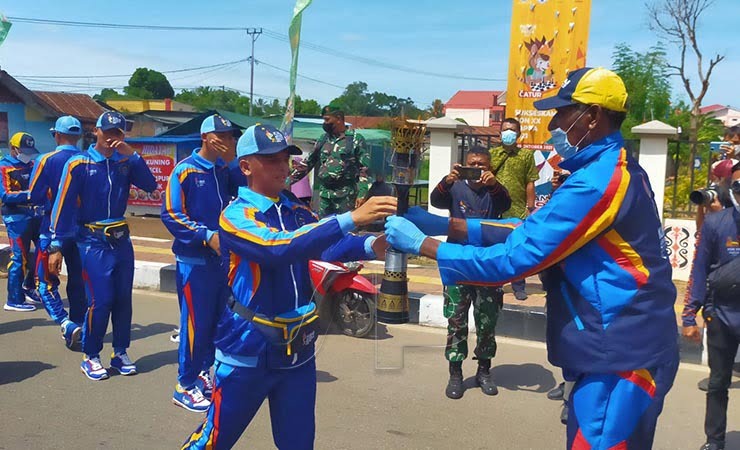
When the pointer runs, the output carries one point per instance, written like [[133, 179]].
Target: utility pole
[[253, 33]]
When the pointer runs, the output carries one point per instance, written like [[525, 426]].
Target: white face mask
[[560, 140], [25, 159]]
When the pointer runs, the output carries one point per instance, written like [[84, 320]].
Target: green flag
[[4, 28], [294, 33]]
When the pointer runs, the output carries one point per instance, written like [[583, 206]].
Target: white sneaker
[[93, 369], [21, 307], [191, 399]]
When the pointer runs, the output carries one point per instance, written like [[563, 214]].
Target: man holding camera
[[715, 280], [471, 191]]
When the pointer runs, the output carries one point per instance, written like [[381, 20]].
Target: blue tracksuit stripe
[[175, 205]]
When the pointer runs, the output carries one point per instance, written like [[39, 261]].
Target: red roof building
[[477, 108]]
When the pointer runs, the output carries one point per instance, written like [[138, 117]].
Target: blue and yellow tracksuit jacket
[[99, 186], [16, 178], [45, 180], [268, 244], [197, 192], [610, 295]]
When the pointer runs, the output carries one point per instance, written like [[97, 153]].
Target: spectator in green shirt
[[515, 169]]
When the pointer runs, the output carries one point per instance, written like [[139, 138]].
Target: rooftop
[[474, 99]]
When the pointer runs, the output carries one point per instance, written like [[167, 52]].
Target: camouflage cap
[[331, 110]]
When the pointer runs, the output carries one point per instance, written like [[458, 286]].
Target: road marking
[[150, 239], [157, 251]]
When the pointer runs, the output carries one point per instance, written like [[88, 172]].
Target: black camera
[[735, 187], [704, 196]]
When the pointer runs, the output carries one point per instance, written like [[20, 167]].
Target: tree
[[356, 100], [645, 76], [204, 98], [437, 109], [677, 20], [108, 94], [309, 106], [147, 83]]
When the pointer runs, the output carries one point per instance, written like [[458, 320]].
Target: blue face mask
[[559, 140], [508, 137]]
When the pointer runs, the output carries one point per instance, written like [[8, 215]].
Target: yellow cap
[[589, 86]]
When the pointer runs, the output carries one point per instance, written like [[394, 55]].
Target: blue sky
[[468, 38]]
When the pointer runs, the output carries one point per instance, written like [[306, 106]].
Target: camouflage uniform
[[338, 171], [487, 303], [515, 171]]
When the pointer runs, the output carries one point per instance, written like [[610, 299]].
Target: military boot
[[484, 378], [455, 387]]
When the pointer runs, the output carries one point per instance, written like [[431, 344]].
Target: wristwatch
[[54, 249]]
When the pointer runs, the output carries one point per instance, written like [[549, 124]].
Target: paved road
[[373, 394]]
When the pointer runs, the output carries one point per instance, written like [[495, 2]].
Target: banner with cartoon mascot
[[549, 38]]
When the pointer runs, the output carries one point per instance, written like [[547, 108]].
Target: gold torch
[[407, 143]]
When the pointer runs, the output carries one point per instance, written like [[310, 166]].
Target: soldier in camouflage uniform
[[340, 155]]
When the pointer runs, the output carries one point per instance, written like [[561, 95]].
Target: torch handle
[[403, 199]]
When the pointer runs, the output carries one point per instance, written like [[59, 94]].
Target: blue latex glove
[[430, 224], [403, 235]]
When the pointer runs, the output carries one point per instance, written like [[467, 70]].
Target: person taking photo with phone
[[471, 191]]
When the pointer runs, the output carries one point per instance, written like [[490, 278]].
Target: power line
[[270, 33], [189, 69], [302, 76], [70, 23]]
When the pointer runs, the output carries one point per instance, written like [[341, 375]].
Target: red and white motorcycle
[[345, 298]]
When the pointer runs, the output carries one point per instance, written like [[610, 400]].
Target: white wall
[[473, 117]]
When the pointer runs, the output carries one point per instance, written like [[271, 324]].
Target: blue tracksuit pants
[[21, 270], [108, 275], [201, 291], [618, 410], [49, 284], [239, 393]]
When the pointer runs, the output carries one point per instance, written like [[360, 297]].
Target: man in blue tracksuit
[[611, 324], [264, 341], [43, 190], [22, 221], [197, 192], [91, 202]]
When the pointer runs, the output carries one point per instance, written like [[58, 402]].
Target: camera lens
[[735, 187]]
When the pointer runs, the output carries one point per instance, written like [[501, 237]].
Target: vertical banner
[[161, 159], [294, 33], [4, 28], [549, 39]]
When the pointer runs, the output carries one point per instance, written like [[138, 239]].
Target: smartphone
[[715, 145], [469, 173]]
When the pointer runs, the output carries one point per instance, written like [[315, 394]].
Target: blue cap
[[67, 125], [216, 124], [113, 119], [263, 140]]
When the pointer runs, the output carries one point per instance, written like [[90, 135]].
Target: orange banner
[[548, 39]]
